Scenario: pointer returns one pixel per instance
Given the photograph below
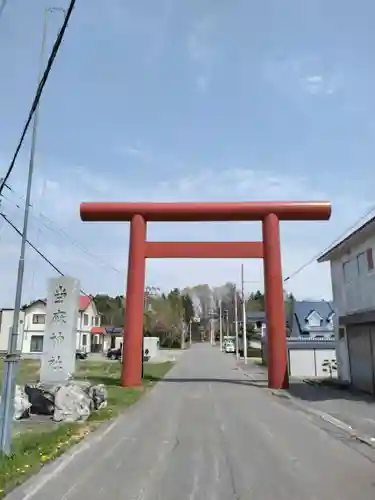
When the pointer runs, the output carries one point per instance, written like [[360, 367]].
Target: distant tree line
[[169, 316]]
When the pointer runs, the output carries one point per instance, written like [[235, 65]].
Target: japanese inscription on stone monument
[[59, 345]]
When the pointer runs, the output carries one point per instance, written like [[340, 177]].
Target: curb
[[348, 429], [353, 433]]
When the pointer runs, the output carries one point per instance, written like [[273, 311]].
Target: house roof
[[256, 316], [302, 309], [84, 302], [355, 238], [114, 330]]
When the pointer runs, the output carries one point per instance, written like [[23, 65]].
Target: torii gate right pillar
[[274, 303]]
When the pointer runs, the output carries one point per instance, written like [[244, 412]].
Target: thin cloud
[[298, 75], [201, 51]]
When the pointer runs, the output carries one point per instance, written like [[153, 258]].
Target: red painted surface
[[84, 302], [204, 250], [133, 332], [189, 211], [98, 329], [274, 301], [268, 212]]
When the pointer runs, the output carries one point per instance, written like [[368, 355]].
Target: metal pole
[[244, 315], [190, 332], [12, 357], [143, 345], [221, 324], [236, 321]]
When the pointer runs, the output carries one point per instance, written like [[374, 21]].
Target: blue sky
[[187, 100]]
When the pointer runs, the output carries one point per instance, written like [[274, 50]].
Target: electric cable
[[39, 91], [2, 6], [334, 242], [60, 231], [15, 228]]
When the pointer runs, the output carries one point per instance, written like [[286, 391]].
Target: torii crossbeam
[[270, 213]]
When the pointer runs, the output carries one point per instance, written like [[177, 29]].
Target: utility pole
[[221, 323], [12, 356], [243, 315], [236, 321], [227, 330]]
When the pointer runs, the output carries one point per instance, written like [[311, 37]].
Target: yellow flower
[[44, 458]]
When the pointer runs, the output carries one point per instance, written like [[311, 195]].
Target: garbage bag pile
[[70, 402]]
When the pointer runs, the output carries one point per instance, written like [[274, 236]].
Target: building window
[[350, 269], [39, 319], [341, 333], [86, 320], [362, 264], [36, 343], [97, 318], [84, 340], [370, 259]]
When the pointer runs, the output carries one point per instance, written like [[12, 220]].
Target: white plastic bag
[[21, 404]]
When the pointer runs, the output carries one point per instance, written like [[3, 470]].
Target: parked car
[[81, 354], [229, 346], [114, 353], [117, 354]]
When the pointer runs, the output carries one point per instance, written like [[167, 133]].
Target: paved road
[[206, 434]]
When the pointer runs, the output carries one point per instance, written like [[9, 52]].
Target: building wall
[[353, 289], [35, 318], [6, 322], [33, 327], [353, 283], [87, 319]]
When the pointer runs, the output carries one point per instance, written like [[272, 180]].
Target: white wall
[[152, 344], [83, 330], [353, 293], [6, 322], [30, 328], [308, 362], [358, 292]]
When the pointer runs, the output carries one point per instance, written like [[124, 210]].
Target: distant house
[[312, 319], [258, 320], [352, 263], [90, 336], [113, 337]]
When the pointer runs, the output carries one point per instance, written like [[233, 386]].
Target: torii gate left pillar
[[270, 213]]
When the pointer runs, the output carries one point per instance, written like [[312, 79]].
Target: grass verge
[[40, 444]]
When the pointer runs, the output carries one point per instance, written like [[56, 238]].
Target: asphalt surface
[[206, 433]]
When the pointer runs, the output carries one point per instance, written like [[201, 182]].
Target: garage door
[[361, 359]]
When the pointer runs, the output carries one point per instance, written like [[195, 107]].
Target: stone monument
[[59, 346]]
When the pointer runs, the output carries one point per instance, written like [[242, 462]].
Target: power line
[[15, 228], [2, 6], [61, 231], [334, 242], [39, 91]]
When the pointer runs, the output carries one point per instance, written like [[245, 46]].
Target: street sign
[[59, 344]]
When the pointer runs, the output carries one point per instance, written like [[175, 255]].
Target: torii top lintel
[[205, 211]]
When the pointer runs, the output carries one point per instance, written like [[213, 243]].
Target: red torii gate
[[270, 213]]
